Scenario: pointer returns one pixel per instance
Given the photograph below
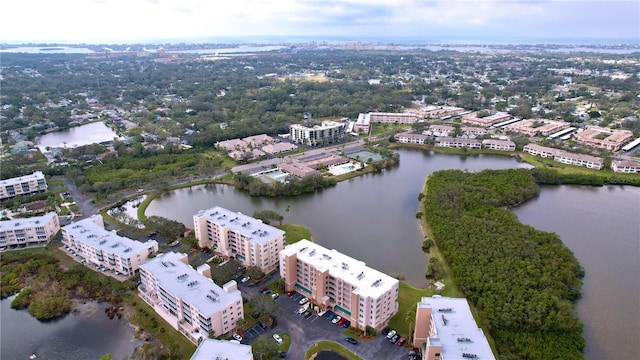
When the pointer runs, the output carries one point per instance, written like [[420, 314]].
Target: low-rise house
[[533, 127], [259, 140], [485, 121], [298, 169], [626, 165], [458, 143], [442, 130], [565, 157], [603, 138], [473, 131], [503, 145], [26, 232], [411, 138], [278, 148]]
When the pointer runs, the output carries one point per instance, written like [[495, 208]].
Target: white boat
[[32, 356]]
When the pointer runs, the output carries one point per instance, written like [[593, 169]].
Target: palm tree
[[409, 318]]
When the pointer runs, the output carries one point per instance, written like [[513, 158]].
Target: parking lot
[[305, 330]]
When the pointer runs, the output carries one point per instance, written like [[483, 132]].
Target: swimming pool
[[277, 175]]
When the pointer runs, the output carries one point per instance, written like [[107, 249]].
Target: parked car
[[331, 316], [263, 289], [346, 324], [390, 334], [341, 322], [394, 339], [255, 314], [401, 341], [308, 313], [268, 291], [336, 319], [275, 296], [301, 310], [351, 340], [277, 338], [290, 293], [282, 354], [303, 301], [237, 337], [262, 324], [385, 331], [245, 279]]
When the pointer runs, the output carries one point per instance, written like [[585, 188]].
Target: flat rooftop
[[369, 282], [212, 349], [185, 282], [456, 328], [254, 229], [89, 232], [23, 223]]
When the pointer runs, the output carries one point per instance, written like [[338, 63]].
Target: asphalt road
[[306, 331]]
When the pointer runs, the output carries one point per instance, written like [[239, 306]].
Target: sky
[[495, 21]]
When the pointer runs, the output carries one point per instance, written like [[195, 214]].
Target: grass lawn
[[295, 232], [408, 297], [286, 342], [146, 318], [330, 345]]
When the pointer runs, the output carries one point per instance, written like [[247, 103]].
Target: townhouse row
[[451, 142]]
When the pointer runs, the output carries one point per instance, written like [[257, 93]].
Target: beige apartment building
[[487, 120], [565, 157], [411, 138], [233, 234], [603, 138], [213, 349], [102, 248], [23, 185], [364, 121], [533, 127], [458, 143], [26, 232], [502, 145], [188, 299], [445, 329], [334, 281], [626, 165]]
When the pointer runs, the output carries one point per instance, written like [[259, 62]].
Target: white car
[[237, 337], [391, 334], [302, 309], [303, 301], [245, 279], [275, 296], [336, 319], [277, 338]]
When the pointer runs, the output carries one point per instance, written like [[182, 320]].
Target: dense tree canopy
[[523, 281]]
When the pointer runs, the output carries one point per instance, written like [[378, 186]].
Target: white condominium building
[[445, 329], [21, 233], [23, 185], [188, 299], [107, 249], [334, 281], [249, 240], [327, 133], [213, 349]]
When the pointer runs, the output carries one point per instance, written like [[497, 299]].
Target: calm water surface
[[89, 334], [77, 136], [371, 217], [601, 225]]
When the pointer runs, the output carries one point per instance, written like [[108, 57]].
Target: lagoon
[[92, 133]]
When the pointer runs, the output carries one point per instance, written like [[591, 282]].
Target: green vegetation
[[172, 344], [267, 216], [522, 281], [550, 172], [408, 297], [294, 186], [295, 232], [332, 346], [46, 288]]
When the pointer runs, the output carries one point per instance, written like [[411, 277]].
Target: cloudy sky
[[120, 21]]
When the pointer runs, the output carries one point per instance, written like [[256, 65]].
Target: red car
[[290, 293], [342, 321], [263, 289], [401, 341]]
